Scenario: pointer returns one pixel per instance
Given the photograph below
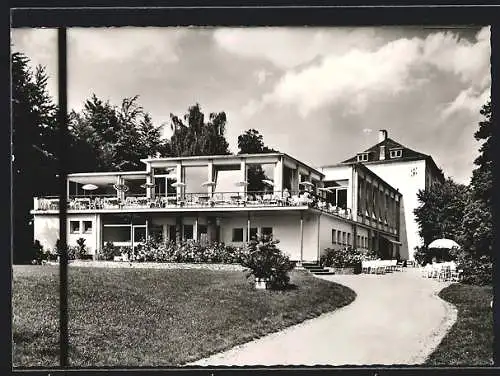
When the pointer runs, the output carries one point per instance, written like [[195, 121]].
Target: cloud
[[367, 130], [291, 47], [261, 76], [359, 76], [468, 100]]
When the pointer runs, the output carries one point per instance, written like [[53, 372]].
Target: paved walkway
[[396, 318]]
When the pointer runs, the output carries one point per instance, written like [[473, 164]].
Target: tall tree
[[193, 136], [440, 211], [478, 233], [35, 147], [251, 142], [114, 138]]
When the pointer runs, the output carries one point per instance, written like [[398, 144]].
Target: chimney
[[382, 135]]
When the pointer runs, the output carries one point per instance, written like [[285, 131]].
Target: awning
[[397, 242]]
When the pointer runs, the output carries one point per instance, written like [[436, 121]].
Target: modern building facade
[[229, 199], [406, 170]]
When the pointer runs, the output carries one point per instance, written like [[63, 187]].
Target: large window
[[287, 178], [253, 232], [188, 232], [118, 234], [342, 198], [267, 231], [237, 235], [226, 177], [172, 232], [256, 174], [334, 236], [156, 232], [193, 177]]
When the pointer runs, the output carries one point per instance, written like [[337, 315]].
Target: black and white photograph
[[254, 196]]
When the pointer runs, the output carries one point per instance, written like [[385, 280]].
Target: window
[[398, 153], [348, 238], [342, 198], [156, 232], [343, 238], [267, 231], [358, 241], [188, 232], [171, 233], [237, 235], [363, 157], [87, 227], [116, 233], [193, 177], [334, 236], [253, 232], [74, 227]]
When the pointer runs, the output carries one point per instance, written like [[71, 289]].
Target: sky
[[318, 94]]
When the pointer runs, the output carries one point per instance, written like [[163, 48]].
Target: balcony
[[191, 200]]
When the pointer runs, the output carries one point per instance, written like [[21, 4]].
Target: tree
[[440, 212], [477, 224], [35, 147], [111, 137], [251, 142], [193, 136]]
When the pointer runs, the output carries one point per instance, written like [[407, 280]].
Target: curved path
[[396, 318]]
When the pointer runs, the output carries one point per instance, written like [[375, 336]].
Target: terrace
[[260, 199]]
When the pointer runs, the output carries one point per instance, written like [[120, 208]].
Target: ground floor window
[[87, 227], [237, 235], [343, 238], [334, 236], [116, 234], [253, 232], [188, 232], [74, 227], [349, 238], [172, 232], [156, 232], [267, 231]]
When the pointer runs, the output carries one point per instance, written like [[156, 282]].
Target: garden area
[[152, 317], [470, 340]]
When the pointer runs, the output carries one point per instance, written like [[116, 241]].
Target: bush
[[476, 271], [265, 261], [343, 258], [109, 251], [81, 251], [38, 253]]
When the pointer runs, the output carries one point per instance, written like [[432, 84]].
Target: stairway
[[315, 268]]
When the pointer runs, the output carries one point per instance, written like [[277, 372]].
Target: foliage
[[109, 138], [194, 136], [440, 212], [35, 146], [81, 252], [475, 271], [185, 251], [265, 261], [109, 251], [343, 258], [38, 253], [251, 142]]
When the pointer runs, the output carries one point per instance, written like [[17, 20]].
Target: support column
[[243, 176], [301, 237], [278, 177], [248, 226], [149, 179], [210, 177], [195, 229], [98, 236], [319, 247], [178, 174]]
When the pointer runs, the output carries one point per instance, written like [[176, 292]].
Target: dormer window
[[396, 153], [363, 157]]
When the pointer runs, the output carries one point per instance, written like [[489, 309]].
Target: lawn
[[149, 317], [470, 340]]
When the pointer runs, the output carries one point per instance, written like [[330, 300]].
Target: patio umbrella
[[325, 189], [90, 187], [443, 244], [306, 183], [178, 184], [148, 185], [241, 183], [207, 183], [120, 187], [268, 182]]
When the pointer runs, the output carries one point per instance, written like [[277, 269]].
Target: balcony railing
[[192, 200]]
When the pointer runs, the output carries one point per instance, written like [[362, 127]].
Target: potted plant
[[266, 263]]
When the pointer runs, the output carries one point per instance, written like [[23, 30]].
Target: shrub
[[265, 261], [38, 253], [475, 271], [81, 251], [343, 258], [71, 250], [109, 251]]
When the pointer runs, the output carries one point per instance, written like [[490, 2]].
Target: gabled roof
[[389, 143]]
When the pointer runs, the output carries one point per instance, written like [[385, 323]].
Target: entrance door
[[139, 234]]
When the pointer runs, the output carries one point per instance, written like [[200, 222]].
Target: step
[[317, 270], [326, 272]]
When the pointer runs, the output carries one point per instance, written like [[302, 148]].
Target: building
[[406, 170], [228, 199]]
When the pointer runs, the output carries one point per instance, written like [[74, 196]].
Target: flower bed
[[343, 261]]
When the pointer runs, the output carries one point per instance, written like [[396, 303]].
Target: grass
[[470, 340], [141, 317]]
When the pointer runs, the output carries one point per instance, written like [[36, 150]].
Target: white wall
[[327, 224], [409, 178], [46, 230]]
